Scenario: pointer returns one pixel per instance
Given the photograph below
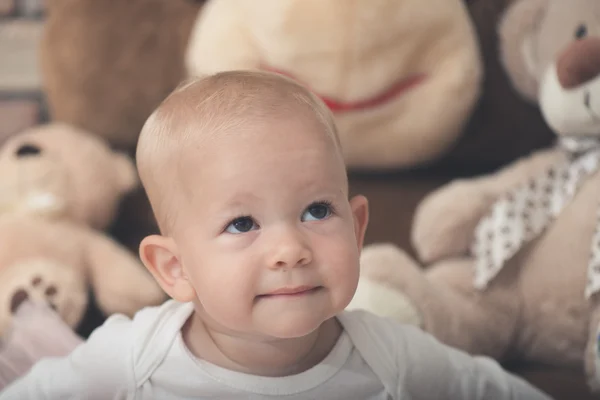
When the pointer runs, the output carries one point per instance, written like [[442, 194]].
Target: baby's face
[[268, 237]]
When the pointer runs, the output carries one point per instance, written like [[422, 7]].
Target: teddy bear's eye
[[28, 150], [581, 31]]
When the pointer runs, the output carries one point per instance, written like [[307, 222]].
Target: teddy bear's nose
[[579, 62], [28, 150], [17, 299]]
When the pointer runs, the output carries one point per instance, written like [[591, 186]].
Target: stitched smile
[[337, 106]]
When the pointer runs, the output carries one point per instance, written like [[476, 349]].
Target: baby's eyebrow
[[241, 199]]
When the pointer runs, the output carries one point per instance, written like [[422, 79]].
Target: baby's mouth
[[290, 292]]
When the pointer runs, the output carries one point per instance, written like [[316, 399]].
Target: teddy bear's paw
[[444, 222], [44, 282], [385, 271], [385, 260], [389, 264], [384, 301], [37, 288]]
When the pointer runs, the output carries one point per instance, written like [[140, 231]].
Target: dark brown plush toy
[[504, 125], [107, 64]]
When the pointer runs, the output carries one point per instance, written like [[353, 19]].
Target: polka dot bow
[[524, 213]]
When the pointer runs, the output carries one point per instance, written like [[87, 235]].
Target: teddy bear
[[102, 56], [60, 188], [384, 67], [509, 262], [105, 65]]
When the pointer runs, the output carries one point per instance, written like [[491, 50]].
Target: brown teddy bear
[[514, 256], [107, 64], [401, 77], [59, 188]]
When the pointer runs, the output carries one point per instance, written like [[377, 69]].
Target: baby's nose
[[290, 251], [291, 262]]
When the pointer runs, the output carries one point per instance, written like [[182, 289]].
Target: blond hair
[[201, 107]]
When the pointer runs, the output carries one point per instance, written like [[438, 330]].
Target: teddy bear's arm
[[121, 283], [220, 41], [518, 173], [446, 219]]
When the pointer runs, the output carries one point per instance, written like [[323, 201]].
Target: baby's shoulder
[[394, 338], [149, 325], [171, 311]]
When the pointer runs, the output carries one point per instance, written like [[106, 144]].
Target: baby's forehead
[[256, 140], [265, 129]]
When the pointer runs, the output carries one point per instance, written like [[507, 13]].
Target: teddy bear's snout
[[579, 63]]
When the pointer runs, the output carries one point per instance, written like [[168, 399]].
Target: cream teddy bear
[[60, 187], [401, 77], [514, 257]]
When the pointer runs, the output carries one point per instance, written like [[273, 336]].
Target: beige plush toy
[[401, 77], [59, 188], [514, 257]]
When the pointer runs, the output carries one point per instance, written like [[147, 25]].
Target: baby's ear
[[516, 34], [360, 212], [160, 256]]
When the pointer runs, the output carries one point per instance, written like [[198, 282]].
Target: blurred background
[[421, 90]]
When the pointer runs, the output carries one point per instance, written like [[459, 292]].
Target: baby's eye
[[241, 225], [317, 211]]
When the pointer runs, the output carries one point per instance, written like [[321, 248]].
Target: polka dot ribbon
[[523, 214]]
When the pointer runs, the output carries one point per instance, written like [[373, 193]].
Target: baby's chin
[[292, 324], [287, 318]]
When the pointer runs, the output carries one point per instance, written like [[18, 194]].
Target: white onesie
[[375, 358]]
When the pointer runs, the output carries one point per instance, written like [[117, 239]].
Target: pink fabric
[[36, 332]]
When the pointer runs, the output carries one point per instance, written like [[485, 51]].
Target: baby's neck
[[261, 357]]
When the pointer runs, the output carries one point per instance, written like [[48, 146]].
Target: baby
[[259, 250]]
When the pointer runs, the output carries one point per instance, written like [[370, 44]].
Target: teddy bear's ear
[[126, 172], [516, 31]]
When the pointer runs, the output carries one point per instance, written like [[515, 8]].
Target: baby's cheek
[[347, 287], [227, 290], [341, 276], [226, 306]]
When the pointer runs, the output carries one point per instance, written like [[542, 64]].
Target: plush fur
[[504, 125], [60, 188], [107, 64], [535, 309], [354, 53]]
